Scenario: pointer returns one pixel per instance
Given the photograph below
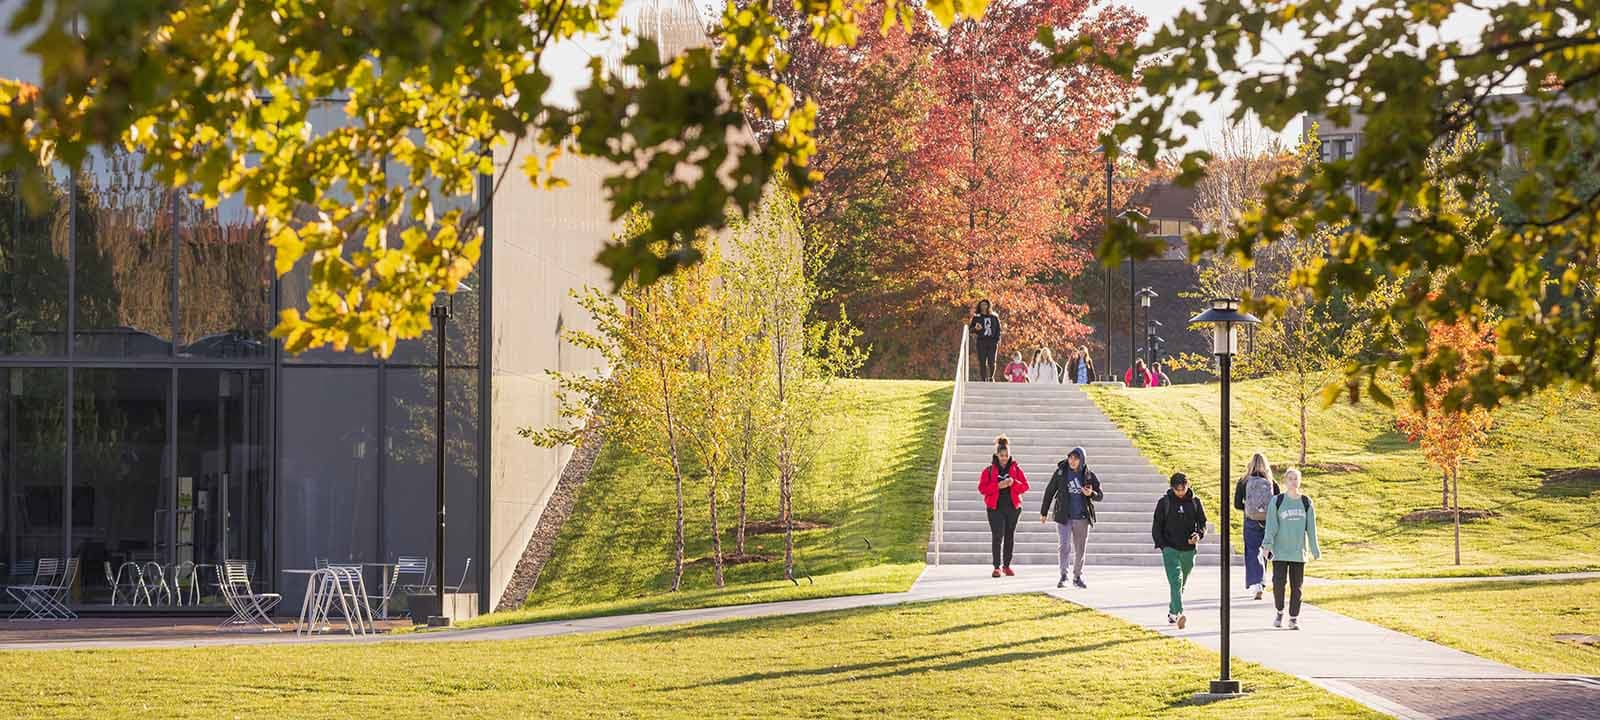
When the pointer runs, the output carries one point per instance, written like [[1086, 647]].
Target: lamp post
[[1107, 269], [1224, 318], [1145, 296], [1151, 341], [441, 323], [1138, 220]]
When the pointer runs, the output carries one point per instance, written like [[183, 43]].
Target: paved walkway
[[1389, 671], [1547, 577]]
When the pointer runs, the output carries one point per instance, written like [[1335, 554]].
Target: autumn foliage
[[957, 165]]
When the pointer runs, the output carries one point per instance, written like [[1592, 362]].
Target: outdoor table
[[383, 585], [305, 602]]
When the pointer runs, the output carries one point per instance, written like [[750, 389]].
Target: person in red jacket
[[1137, 376], [1002, 485]]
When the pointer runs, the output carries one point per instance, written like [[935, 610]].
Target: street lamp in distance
[[1224, 318]]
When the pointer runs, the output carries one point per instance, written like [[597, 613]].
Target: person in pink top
[[1017, 371], [1002, 485]]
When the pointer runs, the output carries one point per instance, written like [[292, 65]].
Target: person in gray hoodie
[[1070, 498]]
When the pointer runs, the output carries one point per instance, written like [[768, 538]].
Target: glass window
[[33, 451], [224, 281], [121, 509], [222, 468], [410, 480], [328, 498], [123, 263], [33, 269]]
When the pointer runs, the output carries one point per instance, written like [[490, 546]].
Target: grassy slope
[[1543, 526], [872, 480], [1515, 623], [991, 658]]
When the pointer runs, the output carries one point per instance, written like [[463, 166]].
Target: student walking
[[1083, 370], [1002, 485], [1255, 489], [985, 328], [1291, 530], [1017, 371], [1070, 499], [1044, 370], [1159, 375], [1138, 375], [1180, 523]]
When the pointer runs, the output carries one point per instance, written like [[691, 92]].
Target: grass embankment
[[991, 658], [1365, 476], [870, 485], [1547, 627]]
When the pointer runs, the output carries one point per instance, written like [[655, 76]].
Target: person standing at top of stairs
[[985, 329], [1074, 490]]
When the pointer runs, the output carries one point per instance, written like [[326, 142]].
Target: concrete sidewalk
[[1386, 670]]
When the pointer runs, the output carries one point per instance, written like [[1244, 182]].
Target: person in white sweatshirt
[[1044, 369]]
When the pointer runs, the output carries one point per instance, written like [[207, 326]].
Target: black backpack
[[1305, 502]]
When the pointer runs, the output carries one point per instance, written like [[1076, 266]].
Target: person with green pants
[[1180, 522]]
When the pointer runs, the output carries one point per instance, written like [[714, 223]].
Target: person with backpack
[[1044, 370], [1291, 531], [1179, 524], [985, 329], [1002, 485], [1137, 376], [1070, 497], [1255, 489]]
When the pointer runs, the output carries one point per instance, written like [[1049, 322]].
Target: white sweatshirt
[[1045, 372]]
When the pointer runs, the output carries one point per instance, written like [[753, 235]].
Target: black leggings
[[1293, 574], [986, 351], [1003, 531]]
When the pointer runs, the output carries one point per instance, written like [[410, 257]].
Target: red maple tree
[[959, 165]]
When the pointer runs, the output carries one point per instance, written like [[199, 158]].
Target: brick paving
[[1489, 699]]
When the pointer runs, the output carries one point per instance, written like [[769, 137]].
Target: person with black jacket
[[1179, 524], [985, 329], [1070, 497]]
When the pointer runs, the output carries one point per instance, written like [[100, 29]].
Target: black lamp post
[[1225, 319], [1151, 341], [1135, 297], [1107, 366], [1145, 296], [441, 323]]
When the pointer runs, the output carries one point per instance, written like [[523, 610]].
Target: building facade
[[147, 416]]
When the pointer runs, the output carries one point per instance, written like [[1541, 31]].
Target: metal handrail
[[952, 430]]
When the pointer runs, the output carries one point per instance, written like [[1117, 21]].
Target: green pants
[[1178, 563]]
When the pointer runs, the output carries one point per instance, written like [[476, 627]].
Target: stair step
[[1150, 559]]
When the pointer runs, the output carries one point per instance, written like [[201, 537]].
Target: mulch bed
[[543, 541], [1334, 467], [1445, 516], [775, 527], [1590, 640], [1572, 477], [734, 559]]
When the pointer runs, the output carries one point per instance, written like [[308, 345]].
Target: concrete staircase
[[1044, 422]]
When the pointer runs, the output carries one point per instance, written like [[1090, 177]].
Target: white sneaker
[[1277, 622], [1257, 590], [1294, 623]]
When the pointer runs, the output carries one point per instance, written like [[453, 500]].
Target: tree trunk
[[1444, 491], [785, 461], [744, 485], [677, 475], [716, 534], [1455, 483], [1303, 402]]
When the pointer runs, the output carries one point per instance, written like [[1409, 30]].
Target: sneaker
[[1078, 583], [1277, 622], [1007, 571], [1182, 621], [1172, 619], [1062, 582], [1294, 623], [996, 573], [1258, 592]]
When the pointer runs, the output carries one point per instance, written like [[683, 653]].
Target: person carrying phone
[[1002, 485], [1070, 497], [985, 329], [1179, 524]]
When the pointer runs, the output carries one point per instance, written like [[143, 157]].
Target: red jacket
[[1127, 378], [989, 485]]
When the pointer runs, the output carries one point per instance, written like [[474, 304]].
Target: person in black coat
[[1070, 498], [1178, 526], [985, 329]]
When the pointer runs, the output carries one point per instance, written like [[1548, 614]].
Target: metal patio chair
[[47, 600], [44, 573], [249, 607], [155, 578]]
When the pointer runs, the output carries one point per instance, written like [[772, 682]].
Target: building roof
[[1166, 201]]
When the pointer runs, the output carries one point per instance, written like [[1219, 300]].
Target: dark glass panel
[[328, 498], [222, 468], [224, 281], [33, 269], [33, 451], [123, 264], [121, 507], [410, 484]]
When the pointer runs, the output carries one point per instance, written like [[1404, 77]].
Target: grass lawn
[[1366, 476], [871, 485], [1514, 623], [991, 658]]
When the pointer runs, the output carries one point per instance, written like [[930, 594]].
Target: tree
[[1529, 75], [771, 278], [218, 96], [647, 336], [1448, 432]]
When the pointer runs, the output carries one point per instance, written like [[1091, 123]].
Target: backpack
[[1305, 502], [1257, 493]]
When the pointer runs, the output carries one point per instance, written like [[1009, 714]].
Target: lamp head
[[1225, 319], [1145, 296]]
